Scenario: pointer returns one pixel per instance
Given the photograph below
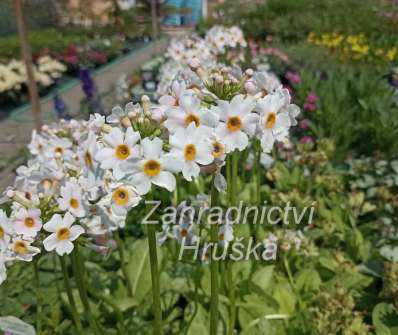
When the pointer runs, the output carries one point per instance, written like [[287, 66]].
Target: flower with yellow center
[[218, 149], [23, 250], [27, 222], [59, 147], [270, 120], [191, 147], [118, 147], [234, 123], [189, 111], [238, 122], [122, 197], [71, 199], [63, 233], [20, 247], [154, 166]]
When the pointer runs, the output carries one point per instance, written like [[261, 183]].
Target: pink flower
[[304, 124], [293, 77], [312, 98], [307, 140], [309, 106]]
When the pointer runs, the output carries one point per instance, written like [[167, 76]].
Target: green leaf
[[139, 269], [262, 277], [308, 280], [385, 319]]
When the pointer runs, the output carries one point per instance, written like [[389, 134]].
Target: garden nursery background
[[188, 104]]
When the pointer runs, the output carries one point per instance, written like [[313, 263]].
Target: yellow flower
[[391, 54]]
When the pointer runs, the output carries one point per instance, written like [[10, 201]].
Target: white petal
[[75, 232], [165, 179], [50, 242]]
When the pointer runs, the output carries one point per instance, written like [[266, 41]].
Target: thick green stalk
[[72, 302], [214, 268], [153, 258], [232, 202], [232, 304], [78, 269], [38, 295], [123, 264]]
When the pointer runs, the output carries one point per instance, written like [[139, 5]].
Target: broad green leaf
[[385, 319]]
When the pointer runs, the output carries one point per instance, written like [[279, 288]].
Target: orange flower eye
[[29, 222], [192, 118], [270, 122], [190, 152], [152, 168], [234, 123], [63, 234], [74, 203], [120, 196], [122, 151]]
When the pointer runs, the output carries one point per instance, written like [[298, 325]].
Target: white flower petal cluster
[[84, 177], [13, 75]]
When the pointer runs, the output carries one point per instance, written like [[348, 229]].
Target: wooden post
[[27, 57], [154, 17]]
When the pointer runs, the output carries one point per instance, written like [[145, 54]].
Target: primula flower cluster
[[85, 176]]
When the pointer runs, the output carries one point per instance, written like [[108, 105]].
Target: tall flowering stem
[[214, 268], [120, 248], [232, 165], [153, 258], [78, 269], [38, 294], [69, 293]]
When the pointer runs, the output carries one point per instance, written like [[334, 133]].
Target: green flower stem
[[78, 269], [123, 263], [214, 268], [232, 190], [232, 303], [72, 302], [153, 258], [257, 174], [38, 295]]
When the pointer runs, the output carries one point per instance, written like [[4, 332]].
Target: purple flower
[[309, 106], [87, 82], [293, 77], [304, 124]]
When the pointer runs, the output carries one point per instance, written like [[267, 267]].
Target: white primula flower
[[3, 269], [153, 167], [27, 222], [238, 122], [266, 82], [189, 111], [22, 250], [118, 113], [5, 231], [88, 150], [118, 148], [121, 199], [71, 199], [37, 144], [192, 147], [225, 234], [274, 119], [63, 234], [177, 90], [59, 148], [96, 122]]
